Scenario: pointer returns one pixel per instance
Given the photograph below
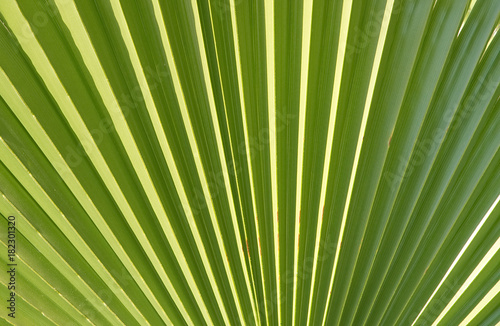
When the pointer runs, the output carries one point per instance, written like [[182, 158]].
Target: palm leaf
[[230, 162]]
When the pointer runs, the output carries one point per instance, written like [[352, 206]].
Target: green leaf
[[231, 162]]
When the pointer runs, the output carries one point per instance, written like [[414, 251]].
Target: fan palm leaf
[[234, 162]]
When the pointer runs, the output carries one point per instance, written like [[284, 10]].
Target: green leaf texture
[[251, 162]]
